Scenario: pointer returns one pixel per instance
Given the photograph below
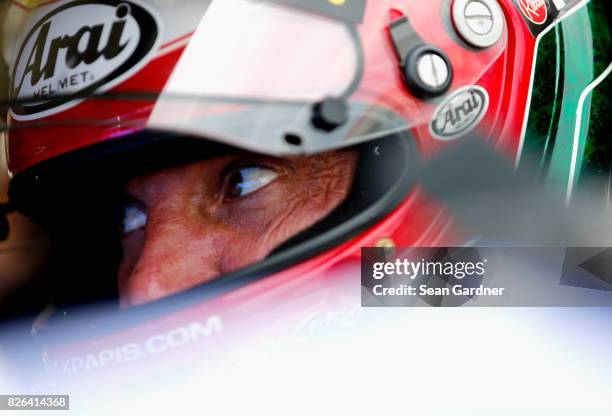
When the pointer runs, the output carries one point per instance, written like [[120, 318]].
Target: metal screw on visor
[[330, 113], [480, 23], [428, 71]]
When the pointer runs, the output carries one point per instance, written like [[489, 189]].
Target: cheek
[[132, 245], [254, 214], [283, 209]]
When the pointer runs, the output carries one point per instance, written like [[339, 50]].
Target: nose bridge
[[159, 188], [175, 256], [182, 244], [174, 239]]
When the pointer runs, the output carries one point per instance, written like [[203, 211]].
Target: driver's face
[[192, 223]]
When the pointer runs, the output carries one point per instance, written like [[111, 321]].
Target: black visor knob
[[427, 71], [330, 114]]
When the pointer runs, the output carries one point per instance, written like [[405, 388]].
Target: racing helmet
[[100, 90]]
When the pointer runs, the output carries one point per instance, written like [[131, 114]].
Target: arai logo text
[[460, 113], [78, 49], [534, 10]]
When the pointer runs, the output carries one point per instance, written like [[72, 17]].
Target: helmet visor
[[278, 77]]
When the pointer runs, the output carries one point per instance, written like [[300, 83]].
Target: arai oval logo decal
[[534, 10], [78, 49], [460, 113]]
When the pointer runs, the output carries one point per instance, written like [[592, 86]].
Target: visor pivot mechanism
[[480, 23], [427, 70], [330, 114]]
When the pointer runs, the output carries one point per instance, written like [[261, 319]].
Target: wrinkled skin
[[198, 227]]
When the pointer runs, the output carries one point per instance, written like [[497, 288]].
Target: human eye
[[134, 216], [246, 180]]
